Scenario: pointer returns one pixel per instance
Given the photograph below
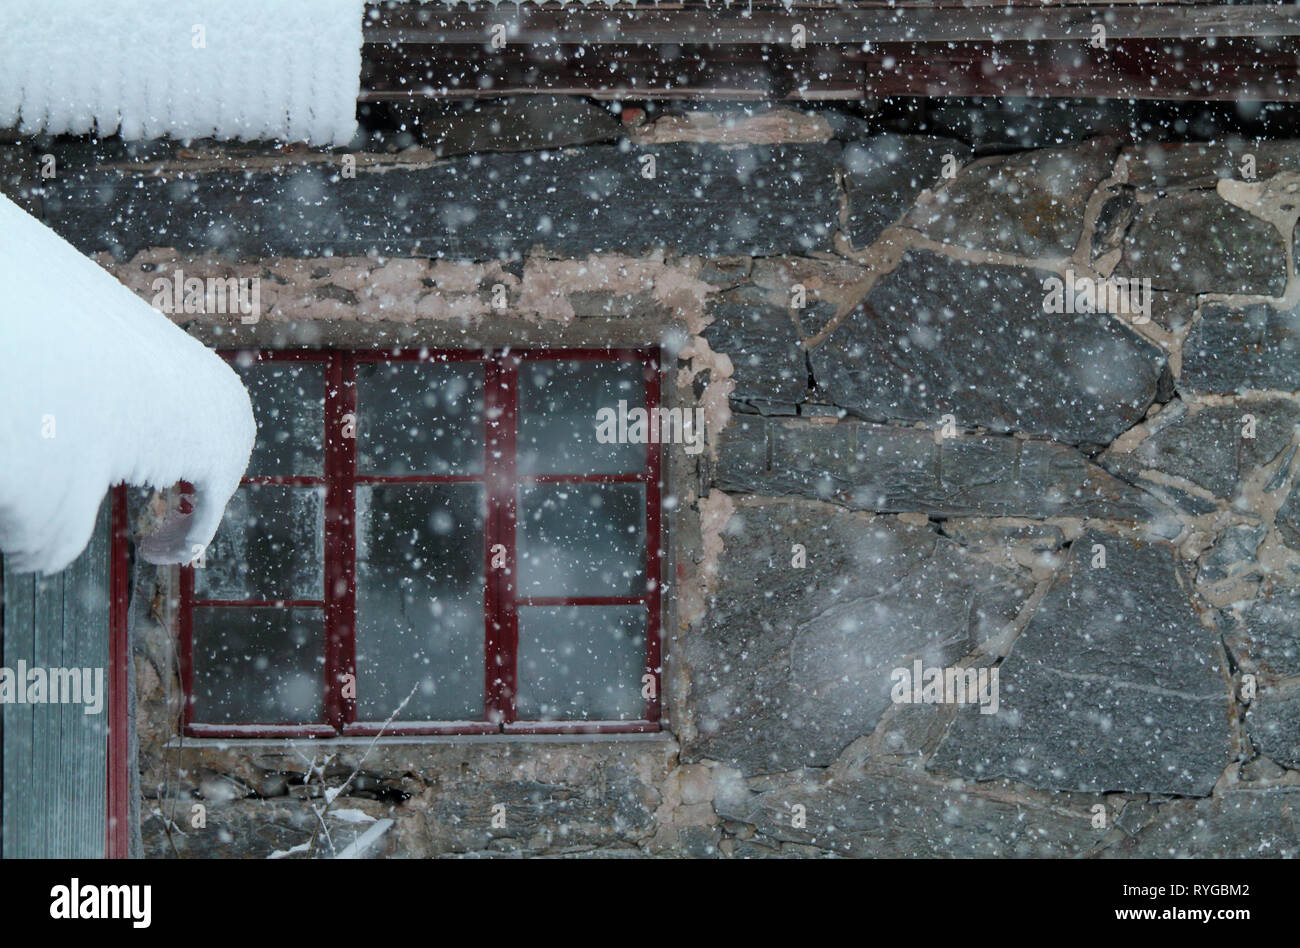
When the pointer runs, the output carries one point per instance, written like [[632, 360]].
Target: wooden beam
[[427, 24], [1131, 69]]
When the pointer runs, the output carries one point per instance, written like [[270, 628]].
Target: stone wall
[[910, 459]]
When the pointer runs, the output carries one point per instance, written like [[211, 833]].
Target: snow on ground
[[248, 69], [96, 388]]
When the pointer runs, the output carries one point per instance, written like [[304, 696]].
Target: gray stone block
[[1274, 722], [885, 173], [878, 813], [1031, 204], [1234, 553], [865, 466], [1237, 348], [1240, 824], [1270, 634], [980, 535], [1196, 242], [1288, 519], [790, 665], [941, 336], [1113, 686], [702, 200], [1200, 165], [1172, 311], [762, 341], [1207, 447]]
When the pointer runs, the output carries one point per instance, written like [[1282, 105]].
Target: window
[[443, 529]]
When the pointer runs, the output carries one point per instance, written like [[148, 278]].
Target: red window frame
[[501, 604]]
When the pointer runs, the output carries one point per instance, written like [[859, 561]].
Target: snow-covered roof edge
[[245, 69], [98, 389]]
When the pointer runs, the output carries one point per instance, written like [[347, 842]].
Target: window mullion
[[654, 563], [501, 621], [185, 633], [340, 540]]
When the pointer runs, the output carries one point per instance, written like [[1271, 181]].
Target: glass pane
[[258, 666], [420, 601], [289, 405], [419, 418], [582, 540], [581, 662], [270, 545], [558, 403]]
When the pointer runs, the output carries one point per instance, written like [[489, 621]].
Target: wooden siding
[[55, 755]]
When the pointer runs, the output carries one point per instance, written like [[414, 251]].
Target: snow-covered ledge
[[244, 69], [98, 388]]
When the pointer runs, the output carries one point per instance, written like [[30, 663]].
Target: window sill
[[663, 736], [369, 729]]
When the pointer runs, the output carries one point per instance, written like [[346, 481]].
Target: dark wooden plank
[[1173, 70], [528, 25]]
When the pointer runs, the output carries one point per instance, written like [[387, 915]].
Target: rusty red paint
[[501, 482], [654, 544], [117, 842]]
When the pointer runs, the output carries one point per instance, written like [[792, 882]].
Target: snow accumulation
[[247, 69], [98, 388]]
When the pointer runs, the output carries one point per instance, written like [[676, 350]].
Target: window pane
[[419, 418], [581, 662], [270, 545], [582, 540], [558, 402], [289, 405], [420, 601], [258, 666]]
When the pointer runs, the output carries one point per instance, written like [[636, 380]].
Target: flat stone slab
[[1240, 824], [768, 361], [1288, 519], [939, 336], [1031, 204], [261, 826], [1233, 554], [1232, 349], [1113, 686], [705, 200], [1200, 165], [878, 813], [1268, 640], [1207, 447], [884, 174], [865, 466], [1274, 722], [1196, 242], [790, 665]]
